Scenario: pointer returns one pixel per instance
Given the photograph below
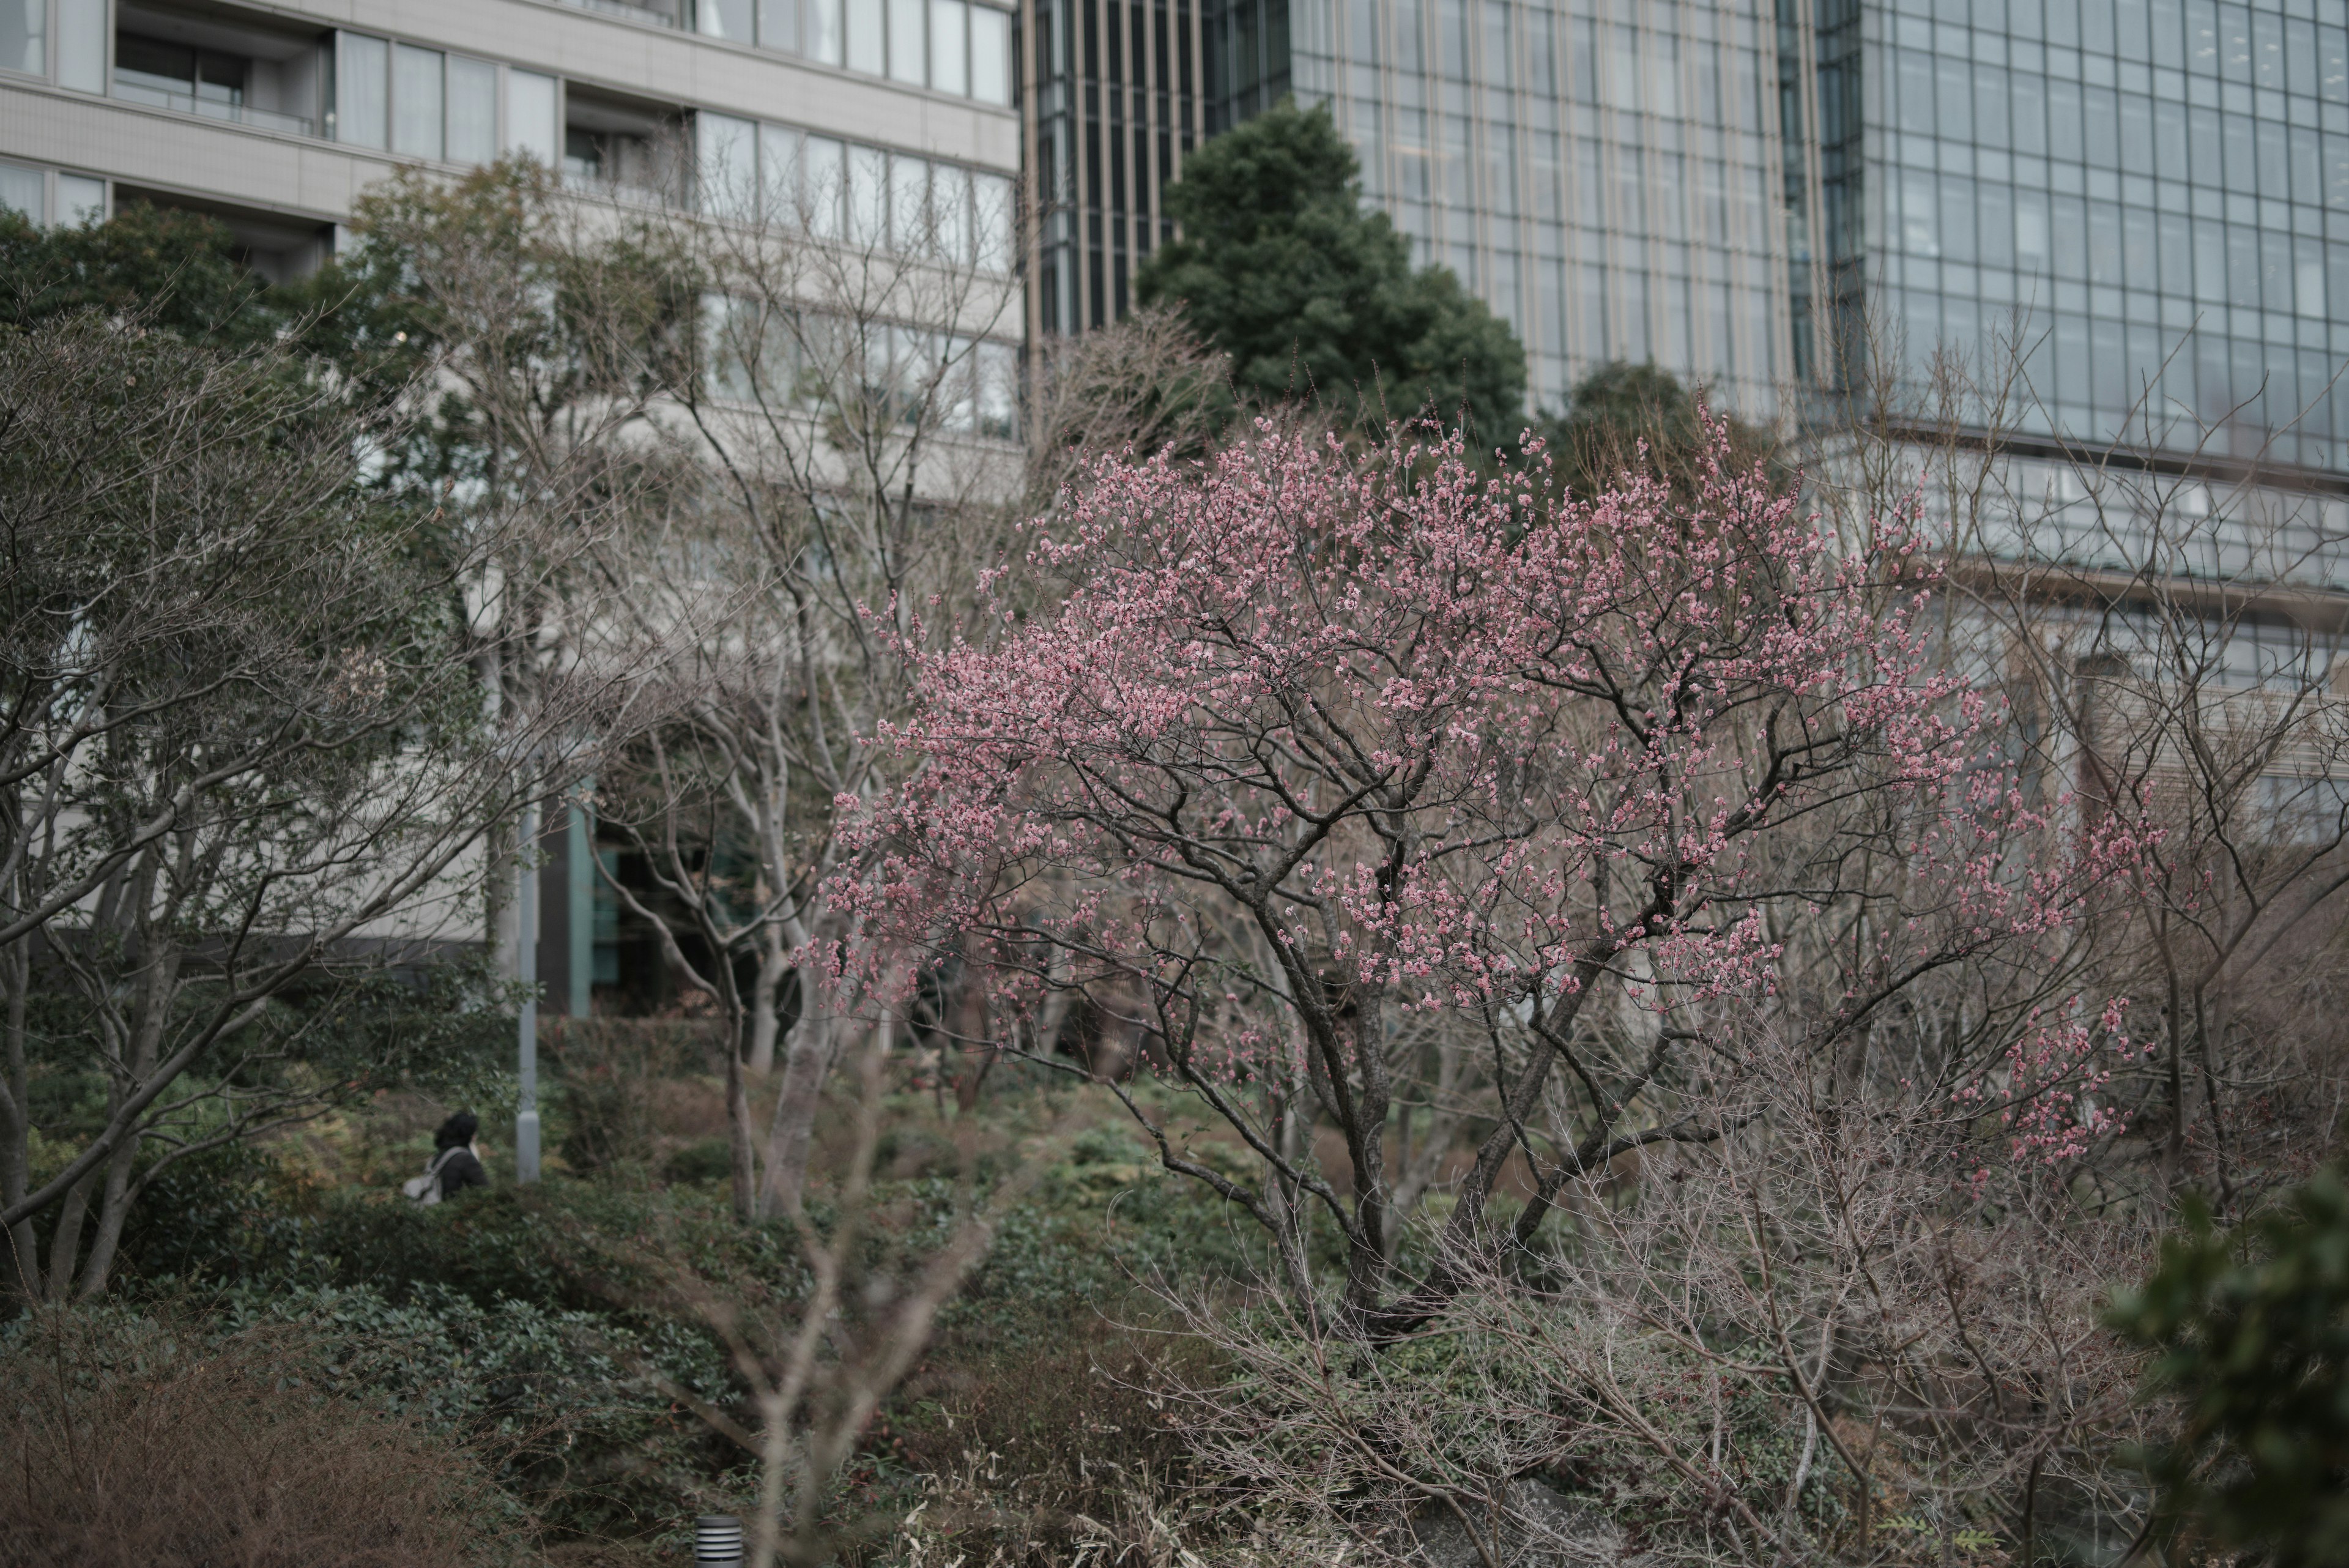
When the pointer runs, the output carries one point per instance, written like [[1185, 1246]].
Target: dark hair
[[457, 1131]]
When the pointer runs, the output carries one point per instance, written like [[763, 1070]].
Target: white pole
[[526, 971]]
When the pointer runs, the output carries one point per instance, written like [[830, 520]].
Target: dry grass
[[1042, 1456], [133, 1442]]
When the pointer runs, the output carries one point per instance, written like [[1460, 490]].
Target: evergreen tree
[[2251, 1334], [1619, 405], [1281, 267]]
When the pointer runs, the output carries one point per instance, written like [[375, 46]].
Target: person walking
[[456, 1162]]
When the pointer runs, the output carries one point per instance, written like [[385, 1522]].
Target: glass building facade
[[2149, 199], [1606, 174], [2134, 213], [1110, 93]]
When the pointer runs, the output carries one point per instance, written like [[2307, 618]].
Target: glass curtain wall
[[2151, 197], [1605, 174], [1115, 107]]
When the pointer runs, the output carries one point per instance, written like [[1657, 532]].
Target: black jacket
[[461, 1170]]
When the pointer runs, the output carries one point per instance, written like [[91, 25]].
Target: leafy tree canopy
[[180, 272], [1281, 267], [1619, 405], [2253, 1329]]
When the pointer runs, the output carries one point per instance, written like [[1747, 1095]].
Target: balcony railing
[[588, 179], [672, 16], [213, 108]]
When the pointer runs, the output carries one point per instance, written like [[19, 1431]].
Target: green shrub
[[2252, 1330], [573, 1411]]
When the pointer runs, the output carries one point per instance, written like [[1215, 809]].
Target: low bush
[[573, 1413], [128, 1439]]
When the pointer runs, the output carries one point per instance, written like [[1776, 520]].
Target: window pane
[[723, 19], [907, 50], [949, 49], [20, 191], [824, 186], [729, 357], [728, 150], [998, 390], [868, 196], [416, 101], [951, 210], [472, 112], [783, 169], [991, 55], [909, 202], [778, 26], [530, 116], [362, 109], [865, 45], [957, 402], [820, 26], [81, 200], [21, 45], [81, 44], [993, 216]]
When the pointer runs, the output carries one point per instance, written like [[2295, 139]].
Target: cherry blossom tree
[[1311, 747]]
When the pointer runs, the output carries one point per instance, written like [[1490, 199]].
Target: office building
[[1605, 174], [2148, 198]]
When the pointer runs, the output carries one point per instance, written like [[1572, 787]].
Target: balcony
[[221, 68], [137, 87], [624, 150]]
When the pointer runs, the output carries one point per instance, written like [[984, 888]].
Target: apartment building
[[275, 116]]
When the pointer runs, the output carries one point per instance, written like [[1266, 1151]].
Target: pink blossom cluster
[[2045, 1091], [1393, 726]]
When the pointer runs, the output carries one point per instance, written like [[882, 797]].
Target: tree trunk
[[775, 964], [65, 1244], [1292, 1137], [113, 1210], [806, 1065], [17, 1127]]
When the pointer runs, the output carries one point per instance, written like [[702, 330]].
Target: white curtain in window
[[24, 28], [472, 110], [728, 153], [821, 25], [362, 101], [416, 102], [991, 55], [531, 125], [950, 47]]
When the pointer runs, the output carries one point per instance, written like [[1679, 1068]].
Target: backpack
[[426, 1189]]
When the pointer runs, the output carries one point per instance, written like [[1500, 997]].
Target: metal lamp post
[[526, 971]]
